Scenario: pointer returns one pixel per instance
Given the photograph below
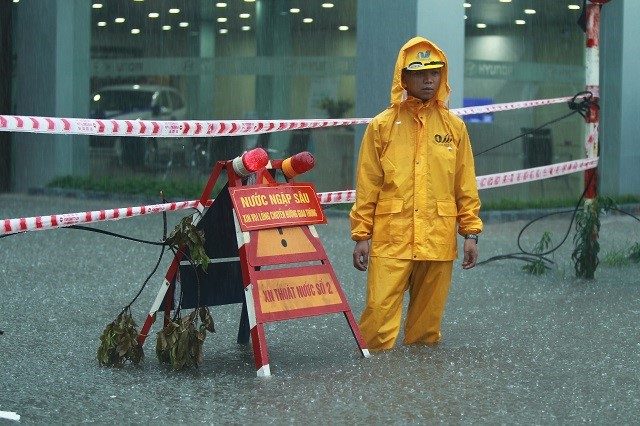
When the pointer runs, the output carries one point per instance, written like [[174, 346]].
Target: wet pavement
[[516, 348]]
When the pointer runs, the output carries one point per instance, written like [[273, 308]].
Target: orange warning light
[[250, 162], [298, 164]]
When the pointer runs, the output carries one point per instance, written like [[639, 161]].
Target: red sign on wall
[[271, 206]]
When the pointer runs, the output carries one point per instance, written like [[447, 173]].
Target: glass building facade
[[288, 59]]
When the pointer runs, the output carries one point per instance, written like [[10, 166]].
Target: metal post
[[592, 77], [592, 74]]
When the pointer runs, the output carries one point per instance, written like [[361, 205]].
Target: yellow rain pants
[[428, 285]]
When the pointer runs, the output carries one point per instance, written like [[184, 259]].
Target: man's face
[[422, 84]]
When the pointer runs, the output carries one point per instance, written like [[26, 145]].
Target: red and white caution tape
[[338, 197], [142, 128], [537, 173], [201, 128], [161, 129], [509, 106], [12, 226]]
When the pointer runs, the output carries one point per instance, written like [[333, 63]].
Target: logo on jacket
[[443, 140]]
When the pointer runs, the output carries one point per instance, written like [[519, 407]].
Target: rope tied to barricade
[[583, 107]]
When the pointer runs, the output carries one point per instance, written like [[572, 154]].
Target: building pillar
[[52, 79], [6, 70], [273, 92], [200, 90], [619, 99], [441, 21]]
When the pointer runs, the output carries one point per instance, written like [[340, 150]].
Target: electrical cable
[[627, 213], [581, 108], [114, 234], [577, 107], [526, 133], [532, 257], [541, 255], [155, 268]]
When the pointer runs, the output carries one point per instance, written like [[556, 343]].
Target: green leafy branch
[[634, 253], [537, 266], [623, 256], [586, 245], [185, 234], [119, 342], [180, 342]]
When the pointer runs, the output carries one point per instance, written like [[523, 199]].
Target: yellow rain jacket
[[416, 176]]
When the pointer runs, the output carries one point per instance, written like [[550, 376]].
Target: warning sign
[[283, 241], [299, 292], [282, 245], [271, 206]]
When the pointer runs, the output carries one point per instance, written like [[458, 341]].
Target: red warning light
[[298, 164], [250, 162]]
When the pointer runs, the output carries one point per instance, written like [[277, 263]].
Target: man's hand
[[361, 255], [470, 254]]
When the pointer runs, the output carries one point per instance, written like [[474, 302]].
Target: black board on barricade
[[221, 283]]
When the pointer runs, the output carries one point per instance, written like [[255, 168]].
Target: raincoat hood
[[398, 93]]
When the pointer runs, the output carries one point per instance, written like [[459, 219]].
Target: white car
[[144, 102]]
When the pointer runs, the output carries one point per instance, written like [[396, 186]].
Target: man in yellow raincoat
[[416, 186]]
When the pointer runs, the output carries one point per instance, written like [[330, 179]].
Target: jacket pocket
[[388, 206], [446, 230], [387, 225]]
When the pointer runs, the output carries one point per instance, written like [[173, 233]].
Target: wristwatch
[[471, 237]]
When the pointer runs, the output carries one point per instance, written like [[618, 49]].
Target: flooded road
[[516, 348]]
